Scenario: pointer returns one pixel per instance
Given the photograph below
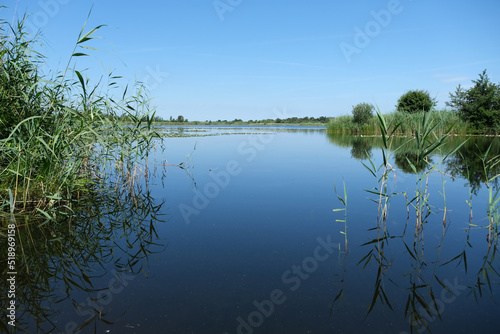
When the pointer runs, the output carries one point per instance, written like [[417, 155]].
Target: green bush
[[415, 101], [479, 105], [362, 113]]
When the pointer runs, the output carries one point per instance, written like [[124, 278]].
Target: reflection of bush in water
[[468, 163], [361, 149], [403, 160], [465, 163]]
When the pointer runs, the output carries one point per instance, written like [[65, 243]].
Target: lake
[[277, 230]]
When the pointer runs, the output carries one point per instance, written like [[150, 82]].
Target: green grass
[[60, 140], [407, 123]]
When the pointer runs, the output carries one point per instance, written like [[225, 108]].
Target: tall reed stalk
[[60, 137]]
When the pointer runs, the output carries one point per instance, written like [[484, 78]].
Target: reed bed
[[60, 137], [407, 123]]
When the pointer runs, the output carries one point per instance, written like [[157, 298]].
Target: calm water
[[238, 234]]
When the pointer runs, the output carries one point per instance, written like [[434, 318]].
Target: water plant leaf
[[369, 169], [85, 324], [340, 296], [49, 217], [409, 251], [80, 77], [366, 258], [11, 201], [407, 306], [386, 299], [88, 35], [444, 285], [435, 304]]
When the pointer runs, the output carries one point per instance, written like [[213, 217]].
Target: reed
[[407, 123], [429, 136], [61, 138]]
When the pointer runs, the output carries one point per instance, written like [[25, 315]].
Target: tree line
[[290, 120]]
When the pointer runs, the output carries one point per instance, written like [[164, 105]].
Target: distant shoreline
[[319, 125]]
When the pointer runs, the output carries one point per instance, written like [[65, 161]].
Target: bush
[[415, 101], [479, 105], [362, 113]]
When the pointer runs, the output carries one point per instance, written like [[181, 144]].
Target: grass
[[59, 140], [430, 135], [407, 123], [73, 179]]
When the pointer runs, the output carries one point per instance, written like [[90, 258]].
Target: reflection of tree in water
[[469, 162], [59, 260], [465, 163], [405, 160], [361, 149], [424, 284]]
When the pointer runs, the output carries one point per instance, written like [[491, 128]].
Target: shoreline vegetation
[[447, 121], [60, 141], [472, 111], [63, 137], [74, 196], [292, 121], [345, 125]]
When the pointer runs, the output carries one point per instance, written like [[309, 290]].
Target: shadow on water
[[77, 264], [410, 269]]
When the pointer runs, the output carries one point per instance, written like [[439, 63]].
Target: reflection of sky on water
[[256, 231]]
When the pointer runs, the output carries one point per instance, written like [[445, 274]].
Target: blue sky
[[256, 59]]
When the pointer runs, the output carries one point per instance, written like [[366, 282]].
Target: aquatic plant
[[407, 123], [60, 136]]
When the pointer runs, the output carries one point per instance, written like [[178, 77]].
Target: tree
[[415, 101], [180, 118], [479, 105], [361, 149], [362, 113], [457, 99]]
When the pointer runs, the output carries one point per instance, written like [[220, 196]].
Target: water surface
[[240, 236]]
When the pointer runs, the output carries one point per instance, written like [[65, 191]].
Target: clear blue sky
[[255, 59]]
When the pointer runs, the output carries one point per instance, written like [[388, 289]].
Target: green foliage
[[362, 113], [60, 137], [479, 105], [20, 96], [407, 123], [306, 121], [415, 101]]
